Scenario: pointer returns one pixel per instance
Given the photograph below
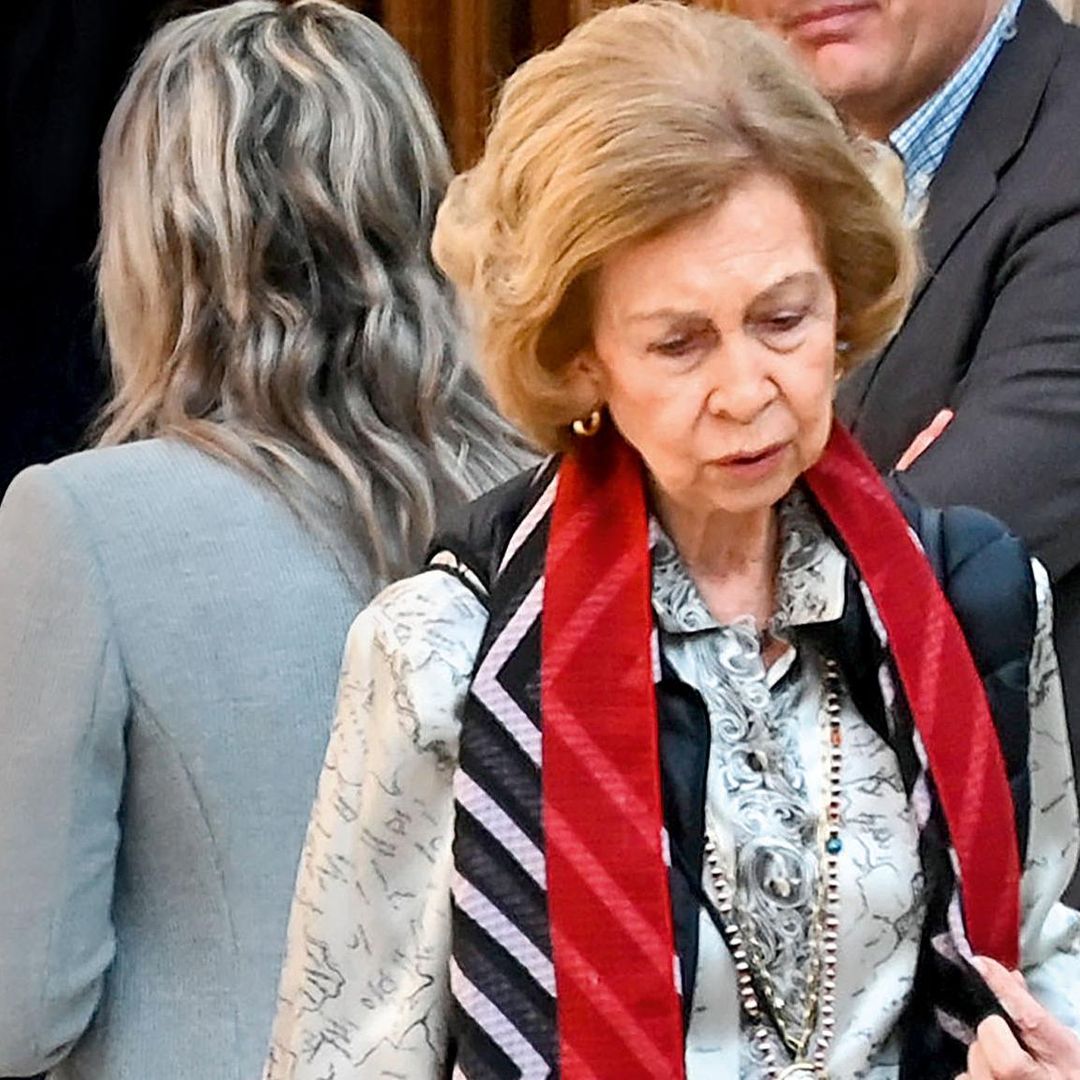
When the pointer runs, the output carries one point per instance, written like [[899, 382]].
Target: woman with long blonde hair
[[292, 407]]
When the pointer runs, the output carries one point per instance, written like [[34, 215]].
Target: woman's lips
[[753, 461], [828, 22]]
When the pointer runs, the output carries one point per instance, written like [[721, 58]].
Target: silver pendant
[[802, 1070]]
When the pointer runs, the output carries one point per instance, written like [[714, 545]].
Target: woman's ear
[[585, 378]]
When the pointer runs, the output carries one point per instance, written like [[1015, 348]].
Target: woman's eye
[[674, 346], [683, 345], [783, 323]]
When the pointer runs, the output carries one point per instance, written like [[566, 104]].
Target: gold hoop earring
[[587, 428]]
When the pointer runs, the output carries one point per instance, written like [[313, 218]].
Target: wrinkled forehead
[[756, 240]]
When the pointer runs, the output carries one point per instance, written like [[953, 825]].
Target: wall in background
[[465, 48]]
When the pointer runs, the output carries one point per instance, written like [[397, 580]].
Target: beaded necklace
[[757, 995]]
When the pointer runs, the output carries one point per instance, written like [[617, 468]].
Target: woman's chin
[[745, 489], [743, 502]]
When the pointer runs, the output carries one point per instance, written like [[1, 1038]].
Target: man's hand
[[923, 440], [1052, 1051]]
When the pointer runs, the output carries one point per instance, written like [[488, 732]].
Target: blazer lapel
[[991, 134]]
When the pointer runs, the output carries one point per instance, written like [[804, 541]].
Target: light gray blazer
[[170, 638]]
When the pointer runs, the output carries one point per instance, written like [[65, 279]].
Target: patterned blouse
[[365, 991]]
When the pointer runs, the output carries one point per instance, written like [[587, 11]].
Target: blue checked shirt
[[923, 139]]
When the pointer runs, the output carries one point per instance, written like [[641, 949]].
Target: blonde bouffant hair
[[644, 116]]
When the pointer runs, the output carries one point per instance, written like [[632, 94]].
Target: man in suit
[[981, 100]]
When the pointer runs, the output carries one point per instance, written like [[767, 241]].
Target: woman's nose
[[742, 386]]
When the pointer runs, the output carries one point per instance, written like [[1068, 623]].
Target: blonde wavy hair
[[269, 182], [644, 116]]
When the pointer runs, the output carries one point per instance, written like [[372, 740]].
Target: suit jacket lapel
[[991, 134]]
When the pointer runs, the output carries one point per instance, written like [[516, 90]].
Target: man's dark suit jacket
[[994, 333]]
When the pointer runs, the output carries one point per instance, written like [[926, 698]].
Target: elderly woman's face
[[714, 349]]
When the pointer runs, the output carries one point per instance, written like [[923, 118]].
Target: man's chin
[[844, 72]]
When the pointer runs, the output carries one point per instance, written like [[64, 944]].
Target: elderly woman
[[697, 751], [291, 403]]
